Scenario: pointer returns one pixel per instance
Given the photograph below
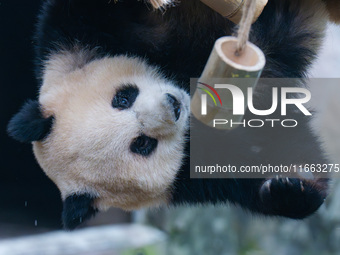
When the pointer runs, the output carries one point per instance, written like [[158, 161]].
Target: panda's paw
[[293, 197]]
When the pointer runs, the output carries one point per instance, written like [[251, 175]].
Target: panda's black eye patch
[[125, 97], [143, 145]]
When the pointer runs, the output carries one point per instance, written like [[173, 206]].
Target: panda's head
[[110, 132]]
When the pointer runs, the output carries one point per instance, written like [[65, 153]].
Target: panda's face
[[118, 132]]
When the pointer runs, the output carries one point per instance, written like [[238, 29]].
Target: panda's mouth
[[143, 145]]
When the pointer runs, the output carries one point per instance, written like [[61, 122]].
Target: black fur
[[28, 124], [77, 209], [144, 145], [125, 97], [179, 41], [284, 194]]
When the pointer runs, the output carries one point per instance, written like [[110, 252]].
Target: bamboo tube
[[232, 9], [223, 65]]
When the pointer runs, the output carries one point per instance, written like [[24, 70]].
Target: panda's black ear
[[77, 209], [28, 124]]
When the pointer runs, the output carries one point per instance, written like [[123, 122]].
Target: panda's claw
[[265, 188], [301, 186]]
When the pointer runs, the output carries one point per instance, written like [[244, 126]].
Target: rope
[[248, 14]]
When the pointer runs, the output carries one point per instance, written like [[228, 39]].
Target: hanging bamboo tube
[[232, 9], [223, 65]]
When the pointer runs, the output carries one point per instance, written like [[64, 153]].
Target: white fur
[[89, 147]]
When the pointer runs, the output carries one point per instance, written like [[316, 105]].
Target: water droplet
[[25, 203], [35, 223]]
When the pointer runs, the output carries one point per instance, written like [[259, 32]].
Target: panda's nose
[[176, 106]]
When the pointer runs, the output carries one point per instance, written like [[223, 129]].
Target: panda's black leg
[[295, 197], [292, 197]]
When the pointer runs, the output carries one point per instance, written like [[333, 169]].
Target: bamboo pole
[[232, 9], [223, 65]]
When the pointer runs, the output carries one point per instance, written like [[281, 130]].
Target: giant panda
[[110, 125]]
